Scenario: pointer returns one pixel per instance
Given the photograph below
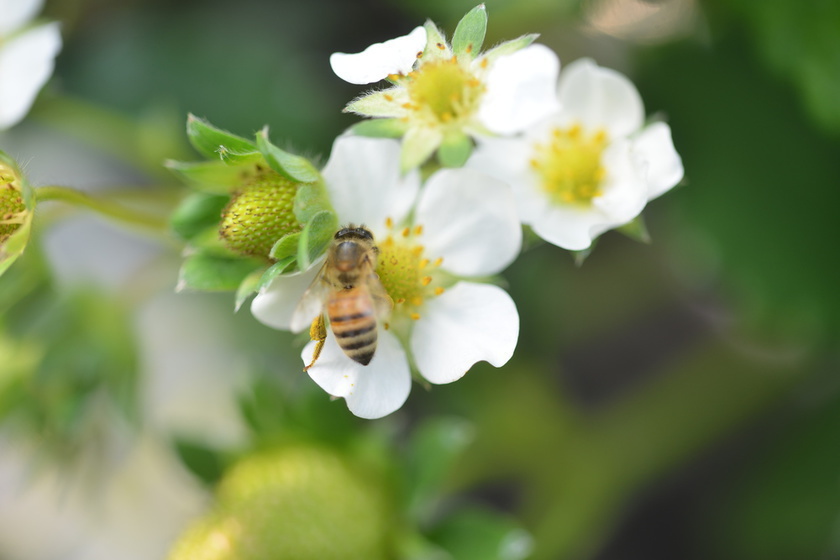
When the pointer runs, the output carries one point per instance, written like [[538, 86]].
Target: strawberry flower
[[590, 167], [443, 94], [431, 262]]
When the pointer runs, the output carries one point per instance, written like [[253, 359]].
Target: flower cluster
[[388, 254]]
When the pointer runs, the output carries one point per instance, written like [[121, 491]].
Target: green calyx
[[259, 214]]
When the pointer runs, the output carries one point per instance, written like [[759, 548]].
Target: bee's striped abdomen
[[353, 322]]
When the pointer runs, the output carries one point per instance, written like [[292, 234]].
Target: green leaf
[[433, 449], [291, 166], [418, 145], [469, 34], [311, 199], [248, 286], [274, 271], [455, 149], [799, 41], [215, 143], [636, 229], [380, 128], [196, 213], [214, 273], [286, 246], [202, 461], [509, 47], [315, 237], [215, 177], [477, 534]]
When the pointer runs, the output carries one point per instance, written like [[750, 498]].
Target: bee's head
[[353, 232]]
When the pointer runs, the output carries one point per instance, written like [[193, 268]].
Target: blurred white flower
[[440, 97], [27, 55], [592, 166], [463, 226]]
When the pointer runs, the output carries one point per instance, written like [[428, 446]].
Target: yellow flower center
[[406, 273], [443, 92], [569, 165]]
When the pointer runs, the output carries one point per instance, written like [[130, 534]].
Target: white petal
[[568, 227], [380, 60], [521, 90], [470, 220], [371, 391], [665, 169], [275, 305], [625, 187], [15, 13], [507, 159], [600, 98], [364, 181], [466, 324], [26, 63]]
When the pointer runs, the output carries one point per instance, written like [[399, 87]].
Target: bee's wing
[[382, 302], [311, 303]]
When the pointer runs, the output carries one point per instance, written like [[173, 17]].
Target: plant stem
[[101, 206]]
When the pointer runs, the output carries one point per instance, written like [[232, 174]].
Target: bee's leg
[[317, 332]]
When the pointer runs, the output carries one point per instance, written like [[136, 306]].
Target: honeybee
[[348, 292]]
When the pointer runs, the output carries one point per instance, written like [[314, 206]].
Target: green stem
[[101, 206]]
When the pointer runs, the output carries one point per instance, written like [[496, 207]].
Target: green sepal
[[311, 199], [215, 177], [583, 254], [14, 245], [215, 143], [208, 272], [455, 149], [418, 144], [482, 534], [382, 104], [196, 213], [274, 271], [288, 165], [315, 237], [636, 229], [436, 46], [285, 247], [248, 286], [509, 47], [469, 34], [433, 449], [380, 128]]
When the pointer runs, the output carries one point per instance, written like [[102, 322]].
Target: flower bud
[[15, 212], [259, 214], [301, 502]]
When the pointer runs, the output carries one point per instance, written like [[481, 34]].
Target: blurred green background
[[673, 400]]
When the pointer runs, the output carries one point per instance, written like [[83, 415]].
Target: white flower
[[592, 166], [26, 57], [463, 226], [442, 94]]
